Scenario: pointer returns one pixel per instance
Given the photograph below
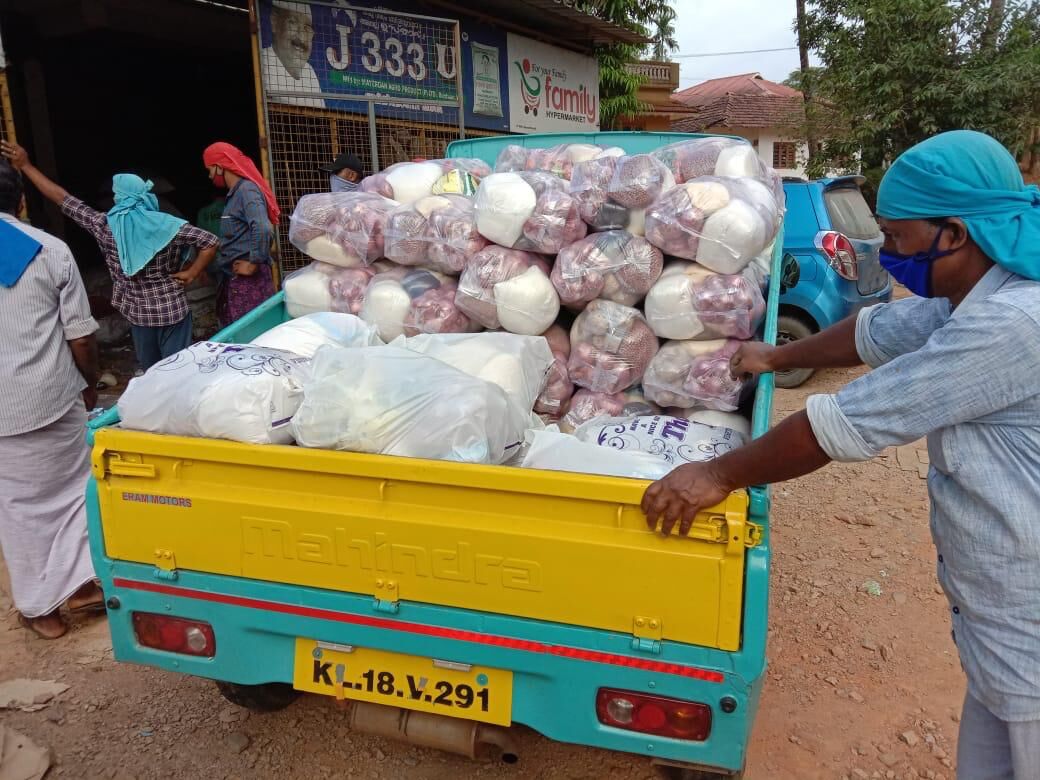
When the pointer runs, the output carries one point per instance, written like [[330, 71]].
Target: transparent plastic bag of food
[[614, 265], [437, 232], [611, 346], [532, 211], [587, 405], [407, 182], [393, 401], [340, 228], [508, 289], [558, 388], [695, 375], [691, 302], [324, 287], [558, 160], [722, 223], [409, 301], [613, 193]]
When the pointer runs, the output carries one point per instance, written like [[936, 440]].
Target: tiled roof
[[744, 111], [743, 84]]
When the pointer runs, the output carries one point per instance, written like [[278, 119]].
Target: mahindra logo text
[[376, 553]]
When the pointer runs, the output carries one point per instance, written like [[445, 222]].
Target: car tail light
[[175, 635], [840, 254], [656, 715]]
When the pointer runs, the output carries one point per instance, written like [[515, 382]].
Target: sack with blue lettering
[[674, 440], [219, 391]]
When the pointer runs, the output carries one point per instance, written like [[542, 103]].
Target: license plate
[[442, 687]]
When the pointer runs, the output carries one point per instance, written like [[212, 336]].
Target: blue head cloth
[[972, 176], [140, 229]]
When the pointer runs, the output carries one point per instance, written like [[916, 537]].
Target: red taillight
[[653, 714], [840, 254], [176, 635]]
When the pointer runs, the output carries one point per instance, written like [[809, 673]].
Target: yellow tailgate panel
[[567, 548]]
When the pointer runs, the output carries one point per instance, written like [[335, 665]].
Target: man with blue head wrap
[[956, 363]]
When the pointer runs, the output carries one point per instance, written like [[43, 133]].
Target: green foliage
[[898, 71], [654, 19]]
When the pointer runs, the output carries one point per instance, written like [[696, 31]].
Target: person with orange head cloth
[[246, 232]]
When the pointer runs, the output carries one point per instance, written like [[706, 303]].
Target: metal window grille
[[409, 66], [785, 154]]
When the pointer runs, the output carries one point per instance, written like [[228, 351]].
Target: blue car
[[831, 234]]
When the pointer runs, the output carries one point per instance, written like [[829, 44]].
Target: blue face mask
[[915, 271], [339, 184]]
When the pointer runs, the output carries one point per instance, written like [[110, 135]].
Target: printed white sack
[[672, 439], [219, 391], [554, 451], [306, 335], [393, 401]]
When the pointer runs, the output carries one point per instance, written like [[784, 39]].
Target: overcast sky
[[705, 26]]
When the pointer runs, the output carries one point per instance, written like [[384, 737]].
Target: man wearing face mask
[[957, 363], [344, 172]]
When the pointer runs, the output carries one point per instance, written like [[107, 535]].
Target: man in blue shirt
[[958, 364]]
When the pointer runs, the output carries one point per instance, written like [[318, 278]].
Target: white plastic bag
[[554, 451], [691, 302], [694, 375], [341, 228], [218, 391], [722, 223], [672, 439], [393, 401], [306, 335], [517, 364], [737, 422]]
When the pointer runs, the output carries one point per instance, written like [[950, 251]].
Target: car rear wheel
[[268, 697], [788, 329]]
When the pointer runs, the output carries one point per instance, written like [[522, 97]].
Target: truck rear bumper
[[557, 669]]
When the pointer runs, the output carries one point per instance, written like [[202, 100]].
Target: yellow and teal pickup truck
[[446, 601]]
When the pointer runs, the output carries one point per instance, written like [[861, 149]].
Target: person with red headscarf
[[246, 232]]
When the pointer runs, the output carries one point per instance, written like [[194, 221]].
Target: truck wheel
[[788, 329], [268, 697]]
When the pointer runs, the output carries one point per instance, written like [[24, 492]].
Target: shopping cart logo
[[530, 87]]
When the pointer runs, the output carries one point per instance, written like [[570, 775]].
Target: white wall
[[764, 140]]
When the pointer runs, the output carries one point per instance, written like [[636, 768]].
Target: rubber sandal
[[30, 625]]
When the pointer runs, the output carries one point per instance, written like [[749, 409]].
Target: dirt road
[[863, 680]]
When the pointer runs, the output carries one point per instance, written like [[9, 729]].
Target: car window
[[850, 213]]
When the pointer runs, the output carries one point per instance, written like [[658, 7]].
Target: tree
[[663, 41], [618, 87], [898, 71]]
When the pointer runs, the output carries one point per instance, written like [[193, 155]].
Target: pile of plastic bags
[[614, 287]]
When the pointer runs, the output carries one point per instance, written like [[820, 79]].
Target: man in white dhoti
[[48, 359], [285, 63]]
